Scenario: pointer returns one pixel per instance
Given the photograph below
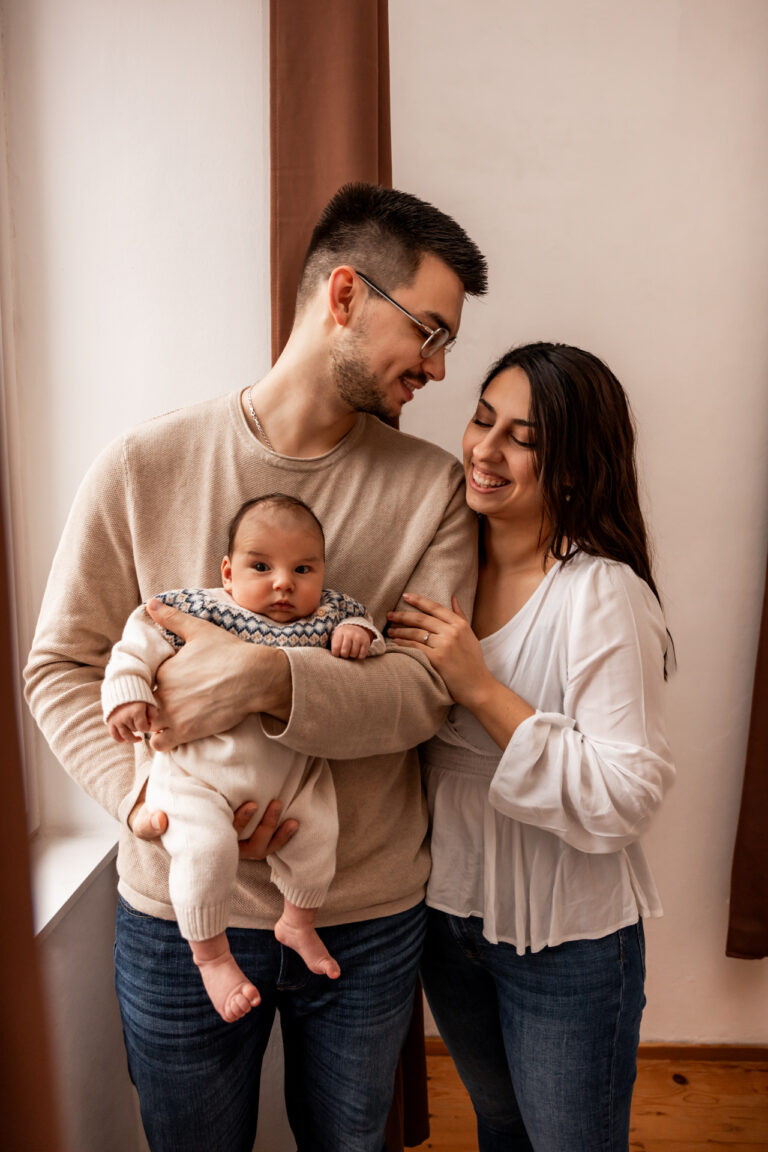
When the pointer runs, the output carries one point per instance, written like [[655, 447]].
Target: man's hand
[[145, 823], [268, 836], [214, 681]]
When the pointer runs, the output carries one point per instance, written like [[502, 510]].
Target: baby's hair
[[292, 505]]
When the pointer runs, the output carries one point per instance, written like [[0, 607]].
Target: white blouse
[[541, 841]]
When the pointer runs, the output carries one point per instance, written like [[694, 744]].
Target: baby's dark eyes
[[302, 569], [260, 566]]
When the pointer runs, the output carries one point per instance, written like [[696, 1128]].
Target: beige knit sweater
[[151, 514]]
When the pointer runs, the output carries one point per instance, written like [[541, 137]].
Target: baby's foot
[[231, 993], [304, 940]]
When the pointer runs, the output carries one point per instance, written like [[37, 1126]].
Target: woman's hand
[[446, 638]]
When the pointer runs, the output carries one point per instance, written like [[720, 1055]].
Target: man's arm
[[91, 591], [309, 700], [214, 681], [348, 709]]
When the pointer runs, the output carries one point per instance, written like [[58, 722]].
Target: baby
[[272, 593]]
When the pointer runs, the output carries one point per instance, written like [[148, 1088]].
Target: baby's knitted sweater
[[149, 515], [131, 671], [313, 631]]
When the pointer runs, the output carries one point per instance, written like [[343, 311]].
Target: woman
[[552, 764]]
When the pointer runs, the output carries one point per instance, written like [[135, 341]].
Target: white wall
[[138, 144], [97, 1105], [610, 158], [136, 204]]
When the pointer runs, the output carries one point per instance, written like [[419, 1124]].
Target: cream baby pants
[[199, 786]]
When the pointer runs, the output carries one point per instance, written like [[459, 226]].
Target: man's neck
[[298, 408]]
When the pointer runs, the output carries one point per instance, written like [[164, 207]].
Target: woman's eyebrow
[[514, 420]]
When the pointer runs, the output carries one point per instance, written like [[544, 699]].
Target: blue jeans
[[198, 1078], [546, 1043]]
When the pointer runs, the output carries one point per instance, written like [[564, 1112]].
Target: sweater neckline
[[294, 463]]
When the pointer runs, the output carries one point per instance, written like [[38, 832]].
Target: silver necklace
[[257, 422]]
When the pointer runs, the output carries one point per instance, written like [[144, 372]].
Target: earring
[[568, 497]]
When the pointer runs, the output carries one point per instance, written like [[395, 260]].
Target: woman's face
[[498, 452]]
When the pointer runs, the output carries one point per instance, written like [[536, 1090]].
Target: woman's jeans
[[198, 1078], [546, 1043]]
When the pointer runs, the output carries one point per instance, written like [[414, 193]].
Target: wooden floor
[[679, 1105]]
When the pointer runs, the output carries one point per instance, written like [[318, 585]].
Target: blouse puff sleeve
[[595, 774]]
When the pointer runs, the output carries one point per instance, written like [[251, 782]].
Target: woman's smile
[[484, 481]]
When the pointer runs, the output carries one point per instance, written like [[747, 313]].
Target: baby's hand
[[127, 720], [351, 642]]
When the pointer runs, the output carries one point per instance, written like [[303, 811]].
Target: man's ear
[[343, 290]]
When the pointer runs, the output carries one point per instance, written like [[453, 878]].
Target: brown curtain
[[329, 123], [748, 923], [26, 1083]]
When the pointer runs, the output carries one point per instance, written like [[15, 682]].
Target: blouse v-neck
[[522, 619]]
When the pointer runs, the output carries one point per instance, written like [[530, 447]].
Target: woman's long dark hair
[[585, 455]]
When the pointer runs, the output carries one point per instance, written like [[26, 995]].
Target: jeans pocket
[[129, 910]]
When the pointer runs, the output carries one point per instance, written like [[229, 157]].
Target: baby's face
[[277, 567]]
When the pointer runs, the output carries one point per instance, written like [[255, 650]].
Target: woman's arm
[[446, 638], [595, 772]]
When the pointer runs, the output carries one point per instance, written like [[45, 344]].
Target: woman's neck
[[515, 549], [512, 565]]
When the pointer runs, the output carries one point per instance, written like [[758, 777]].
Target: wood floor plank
[[678, 1106], [711, 1104]]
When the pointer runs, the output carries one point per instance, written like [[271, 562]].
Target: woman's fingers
[[430, 607], [415, 635], [458, 609]]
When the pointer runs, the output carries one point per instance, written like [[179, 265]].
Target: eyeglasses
[[437, 338]]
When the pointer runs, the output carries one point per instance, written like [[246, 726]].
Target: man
[[379, 304]]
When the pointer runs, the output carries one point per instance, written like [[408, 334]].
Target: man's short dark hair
[[290, 504], [385, 234]]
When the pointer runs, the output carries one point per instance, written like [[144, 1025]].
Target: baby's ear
[[226, 574]]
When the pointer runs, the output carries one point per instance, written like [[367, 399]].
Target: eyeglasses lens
[[440, 338]]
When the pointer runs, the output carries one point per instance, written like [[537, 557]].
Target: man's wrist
[[273, 686]]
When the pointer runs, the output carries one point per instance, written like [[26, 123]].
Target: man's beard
[[360, 388]]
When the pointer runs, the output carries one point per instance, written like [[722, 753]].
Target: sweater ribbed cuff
[[124, 690], [202, 923], [301, 897]]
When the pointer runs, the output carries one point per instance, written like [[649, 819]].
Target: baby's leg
[[202, 844], [231, 993], [296, 929], [304, 867]]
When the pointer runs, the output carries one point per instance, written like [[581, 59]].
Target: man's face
[[377, 366]]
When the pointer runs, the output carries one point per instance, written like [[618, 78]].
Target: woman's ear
[[343, 289]]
